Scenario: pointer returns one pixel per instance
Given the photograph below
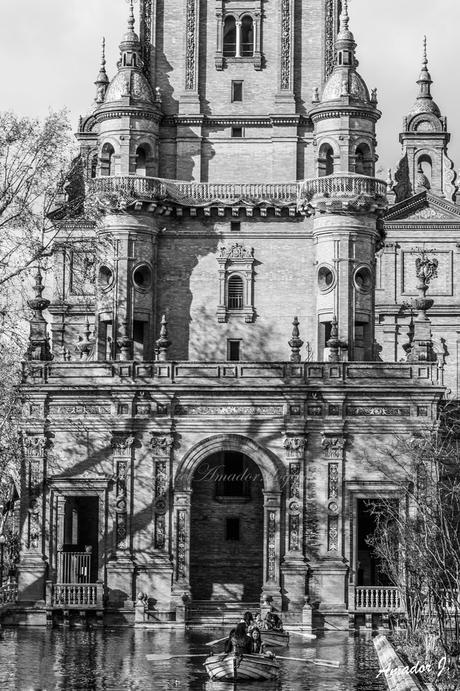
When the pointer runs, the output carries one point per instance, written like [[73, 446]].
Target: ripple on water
[[114, 660]]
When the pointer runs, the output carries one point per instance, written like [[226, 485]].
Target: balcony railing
[[342, 185], [230, 194], [377, 599], [74, 567], [75, 595]]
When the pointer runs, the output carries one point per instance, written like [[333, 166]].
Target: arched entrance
[[209, 513], [227, 529]]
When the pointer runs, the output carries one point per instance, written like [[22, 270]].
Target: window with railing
[[235, 293], [239, 34]]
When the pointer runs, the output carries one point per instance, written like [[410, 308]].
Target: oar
[[159, 658], [316, 661], [304, 634], [219, 640]]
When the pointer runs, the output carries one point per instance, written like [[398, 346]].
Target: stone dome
[[131, 83], [425, 105], [334, 87]]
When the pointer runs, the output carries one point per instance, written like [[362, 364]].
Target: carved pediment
[[423, 208]]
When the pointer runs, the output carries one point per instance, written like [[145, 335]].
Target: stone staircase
[[213, 613]]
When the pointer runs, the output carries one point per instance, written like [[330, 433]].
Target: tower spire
[[102, 80], [424, 81], [344, 17]]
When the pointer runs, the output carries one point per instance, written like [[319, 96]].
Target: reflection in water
[[114, 659]]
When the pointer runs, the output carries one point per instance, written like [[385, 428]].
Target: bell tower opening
[[227, 515]]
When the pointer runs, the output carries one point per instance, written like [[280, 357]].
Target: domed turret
[[129, 82], [425, 164], [345, 116], [424, 102], [345, 80]]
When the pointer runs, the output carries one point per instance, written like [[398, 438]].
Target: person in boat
[[238, 641], [228, 647], [249, 621], [272, 621]]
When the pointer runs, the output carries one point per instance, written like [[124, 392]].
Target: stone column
[[271, 589], [294, 567], [32, 566], [120, 570], [331, 571], [181, 593]]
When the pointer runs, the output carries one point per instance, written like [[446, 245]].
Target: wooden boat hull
[[277, 638], [244, 668]]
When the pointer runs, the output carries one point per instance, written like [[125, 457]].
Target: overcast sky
[[49, 56]]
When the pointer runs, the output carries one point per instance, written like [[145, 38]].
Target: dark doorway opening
[[78, 559], [370, 570], [227, 528]]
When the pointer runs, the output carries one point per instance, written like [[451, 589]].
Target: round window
[[142, 277], [363, 279], [105, 276], [326, 278]]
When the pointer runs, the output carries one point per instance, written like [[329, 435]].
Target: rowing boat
[[242, 667], [272, 637]]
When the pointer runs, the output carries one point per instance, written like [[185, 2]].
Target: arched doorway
[[227, 529]]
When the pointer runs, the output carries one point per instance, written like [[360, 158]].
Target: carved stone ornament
[[236, 251], [146, 34], [294, 446], [286, 45], [378, 411], [122, 442], [332, 533], [161, 444], [191, 44], [333, 481], [330, 40], [333, 446], [34, 445], [181, 544], [271, 540]]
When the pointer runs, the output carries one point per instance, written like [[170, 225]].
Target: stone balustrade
[[76, 595], [238, 373], [377, 599], [279, 194]]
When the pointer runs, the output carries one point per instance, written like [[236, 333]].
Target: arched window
[[364, 164], [141, 161], [93, 166], [230, 37], [325, 160], [247, 37], [107, 160], [425, 164], [235, 290]]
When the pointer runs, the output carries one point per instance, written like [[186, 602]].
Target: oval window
[[363, 279], [142, 277], [105, 276], [326, 278]]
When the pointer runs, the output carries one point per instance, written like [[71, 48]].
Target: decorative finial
[[344, 18], [102, 80], [163, 342], [103, 53], [85, 343], [424, 58], [39, 348], [131, 15], [296, 342], [333, 343]]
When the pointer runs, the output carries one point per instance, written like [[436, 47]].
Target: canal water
[[115, 659]]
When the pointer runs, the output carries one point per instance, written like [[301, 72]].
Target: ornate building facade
[[238, 325]]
